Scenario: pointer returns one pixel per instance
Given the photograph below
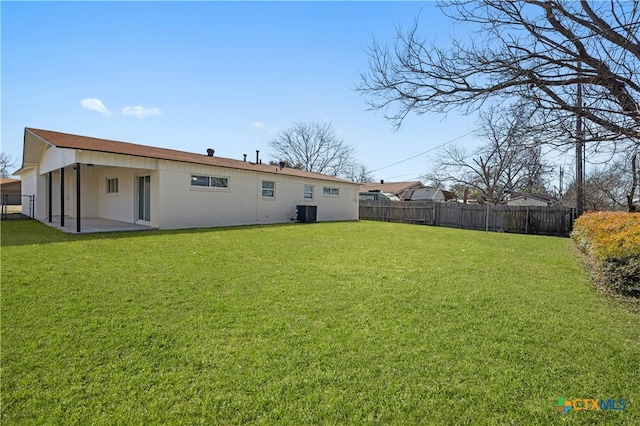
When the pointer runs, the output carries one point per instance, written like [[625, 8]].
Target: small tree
[[314, 147]]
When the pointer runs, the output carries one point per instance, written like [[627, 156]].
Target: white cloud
[[94, 104], [264, 127], [140, 112]]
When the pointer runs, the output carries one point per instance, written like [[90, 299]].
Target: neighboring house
[[10, 191], [522, 199], [375, 195], [402, 190], [79, 176], [435, 194]]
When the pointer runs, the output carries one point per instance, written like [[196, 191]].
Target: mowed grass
[[330, 323]]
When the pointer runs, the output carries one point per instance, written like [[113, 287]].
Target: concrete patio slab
[[90, 225]]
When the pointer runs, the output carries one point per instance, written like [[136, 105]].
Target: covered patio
[[93, 225]]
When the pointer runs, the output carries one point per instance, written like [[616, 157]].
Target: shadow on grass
[[31, 231]]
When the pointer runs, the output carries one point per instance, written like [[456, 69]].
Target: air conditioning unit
[[307, 214]]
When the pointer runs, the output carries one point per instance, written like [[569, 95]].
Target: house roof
[[70, 141], [432, 193], [7, 181], [515, 195], [448, 195], [529, 196], [392, 187]]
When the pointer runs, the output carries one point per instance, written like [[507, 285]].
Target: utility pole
[[560, 188], [579, 150]]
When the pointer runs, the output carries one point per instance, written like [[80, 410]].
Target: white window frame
[[210, 182], [213, 179], [111, 186], [199, 178], [307, 193], [266, 189], [329, 191]]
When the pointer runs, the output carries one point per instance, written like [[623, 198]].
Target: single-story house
[[402, 190], [435, 194], [10, 191], [375, 195], [523, 199], [84, 177]]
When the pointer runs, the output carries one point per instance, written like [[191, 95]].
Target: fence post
[[526, 223], [486, 219]]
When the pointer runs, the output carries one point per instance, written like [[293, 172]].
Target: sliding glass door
[[144, 198]]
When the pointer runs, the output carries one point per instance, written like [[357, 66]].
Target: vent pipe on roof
[[210, 152], [257, 156], [245, 158], [381, 181]]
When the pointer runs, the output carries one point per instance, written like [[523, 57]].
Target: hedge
[[613, 240]]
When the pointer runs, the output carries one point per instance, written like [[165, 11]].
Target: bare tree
[[314, 147], [360, 173], [479, 170], [7, 162], [509, 159], [532, 50], [611, 187]]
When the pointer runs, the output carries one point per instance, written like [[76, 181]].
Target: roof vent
[[282, 165], [210, 152], [381, 181]]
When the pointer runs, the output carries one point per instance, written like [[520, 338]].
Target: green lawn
[[331, 323]]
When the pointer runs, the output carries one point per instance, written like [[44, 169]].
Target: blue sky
[[198, 75]]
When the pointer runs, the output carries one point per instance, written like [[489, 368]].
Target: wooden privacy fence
[[556, 221]]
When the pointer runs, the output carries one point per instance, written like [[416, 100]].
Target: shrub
[[613, 241]]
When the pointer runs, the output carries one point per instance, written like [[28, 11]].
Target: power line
[[401, 176], [422, 153]]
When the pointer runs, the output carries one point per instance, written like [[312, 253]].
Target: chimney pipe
[[210, 152], [245, 158], [257, 156], [381, 181]]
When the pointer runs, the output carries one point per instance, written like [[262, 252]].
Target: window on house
[[308, 192], [210, 181], [268, 189], [199, 180], [331, 191], [219, 182], [112, 186]]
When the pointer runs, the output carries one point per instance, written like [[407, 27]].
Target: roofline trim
[[260, 169]]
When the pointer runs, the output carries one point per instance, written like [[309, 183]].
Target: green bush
[[622, 275]]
